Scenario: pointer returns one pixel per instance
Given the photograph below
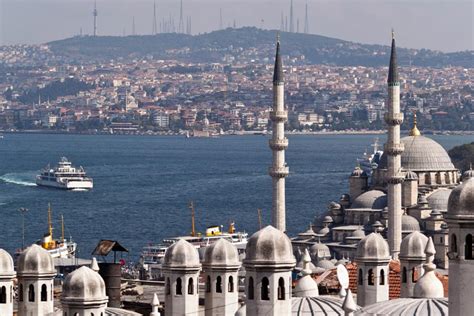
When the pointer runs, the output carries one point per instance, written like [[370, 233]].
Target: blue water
[[142, 185]]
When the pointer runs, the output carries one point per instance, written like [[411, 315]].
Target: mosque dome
[[181, 254], [306, 287], [358, 233], [409, 223], [7, 268], [438, 200], [413, 246], [373, 199], [269, 246], [468, 174], [408, 306], [221, 254], [319, 305], [342, 261], [324, 231], [84, 284], [35, 260], [461, 201], [422, 153], [372, 247], [319, 250], [327, 219], [334, 205], [410, 175], [325, 264]]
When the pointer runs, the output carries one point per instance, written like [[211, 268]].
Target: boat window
[[190, 286], [219, 284], [31, 293], [44, 293], [3, 295], [250, 291], [265, 290], [179, 287], [231, 284]]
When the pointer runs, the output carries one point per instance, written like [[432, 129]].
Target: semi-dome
[[413, 246], [306, 287], [181, 254], [408, 306], [461, 201], [7, 269], [325, 264], [84, 285], [422, 153], [269, 246], [358, 233], [373, 199], [221, 254], [35, 260], [410, 224], [319, 305], [410, 175], [372, 248], [319, 250], [438, 200]]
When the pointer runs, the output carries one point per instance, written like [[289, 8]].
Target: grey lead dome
[[373, 199], [35, 260], [372, 248], [84, 285], [7, 269], [461, 201], [181, 254], [413, 246], [221, 254]]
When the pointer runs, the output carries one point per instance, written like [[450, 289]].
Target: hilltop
[[212, 47]]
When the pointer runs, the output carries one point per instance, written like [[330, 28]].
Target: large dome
[[373, 199], [438, 200], [319, 305], [422, 153], [408, 306]]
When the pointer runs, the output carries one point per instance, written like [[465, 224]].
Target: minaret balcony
[[278, 116], [396, 179], [278, 144], [393, 149], [278, 172], [394, 118]]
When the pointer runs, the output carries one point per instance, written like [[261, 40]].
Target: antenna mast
[[94, 13], [155, 28], [181, 23], [306, 26]]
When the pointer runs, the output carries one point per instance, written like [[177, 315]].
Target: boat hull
[[69, 185]]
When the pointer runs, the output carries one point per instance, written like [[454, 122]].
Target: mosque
[[415, 213]]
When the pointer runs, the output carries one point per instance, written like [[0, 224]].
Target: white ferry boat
[[64, 176], [369, 162]]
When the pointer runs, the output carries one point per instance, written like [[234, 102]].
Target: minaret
[[278, 171], [393, 149], [291, 18], [94, 14]]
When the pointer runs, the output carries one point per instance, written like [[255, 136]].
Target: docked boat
[[64, 176]]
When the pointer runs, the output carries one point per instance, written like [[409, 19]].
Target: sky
[[445, 25]]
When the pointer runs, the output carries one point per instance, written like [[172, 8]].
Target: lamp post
[[23, 210]]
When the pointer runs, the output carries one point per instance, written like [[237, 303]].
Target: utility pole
[[23, 210]]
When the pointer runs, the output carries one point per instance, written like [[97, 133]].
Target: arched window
[[179, 286], [382, 277], [208, 284], [265, 291], [20, 292], [231, 284], [446, 178], [44, 293], [3, 295], [281, 289], [454, 243], [404, 275], [413, 275], [371, 277], [250, 289], [427, 178], [438, 178], [167, 287], [361, 277], [219, 284], [191, 286], [31, 293], [468, 248]]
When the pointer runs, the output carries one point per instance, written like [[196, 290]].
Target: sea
[[143, 184]]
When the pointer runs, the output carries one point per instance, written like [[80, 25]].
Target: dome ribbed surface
[[422, 153], [413, 246], [35, 260], [410, 224], [372, 248], [438, 200], [221, 254], [373, 199], [319, 305], [461, 201], [6, 265], [181, 254], [85, 285], [408, 306]]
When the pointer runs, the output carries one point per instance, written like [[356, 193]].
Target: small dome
[[461, 201], [468, 174], [342, 261], [358, 233], [410, 224], [35, 260], [410, 175], [373, 199], [413, 246], [319, 305], [408, 306], [181, 254], [221, 254], [324, 231], [372, 248], [319, 250], [306, 287], [325, 264], [327, 219], [358, 172], [7, 269], [334, 205], [345, 197], [438, 200], [84, 284], [269, 246]]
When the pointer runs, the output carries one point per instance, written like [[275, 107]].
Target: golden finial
[[414, 131]]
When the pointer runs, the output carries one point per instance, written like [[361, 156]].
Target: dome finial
[[393, 33], [414, 131]]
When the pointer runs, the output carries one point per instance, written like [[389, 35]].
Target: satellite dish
[[343, 277]]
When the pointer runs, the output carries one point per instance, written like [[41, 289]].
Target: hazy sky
[[445, 25]]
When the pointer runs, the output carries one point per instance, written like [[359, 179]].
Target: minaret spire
[[278, 143], [394, 149]]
